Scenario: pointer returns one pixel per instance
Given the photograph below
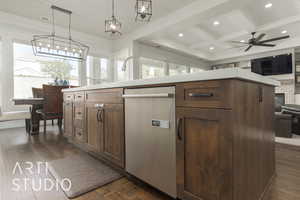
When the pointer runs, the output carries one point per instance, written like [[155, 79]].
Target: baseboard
[[19, 124], [12, 124]]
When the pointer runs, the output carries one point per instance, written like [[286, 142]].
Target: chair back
[[53, 99], [37, 92]]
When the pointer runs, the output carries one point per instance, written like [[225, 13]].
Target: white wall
[[19, 29], [137, 50]]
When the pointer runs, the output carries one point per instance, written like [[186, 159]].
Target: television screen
[[275, 65]]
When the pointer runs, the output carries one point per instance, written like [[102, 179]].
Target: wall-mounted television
[[275, 65]]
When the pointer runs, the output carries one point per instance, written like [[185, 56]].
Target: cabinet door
[[204, 154], [68, 119], [94, 127], [113, 134]]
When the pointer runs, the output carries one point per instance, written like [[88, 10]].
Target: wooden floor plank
[[17, 146]]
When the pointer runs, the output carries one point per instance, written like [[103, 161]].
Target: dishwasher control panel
[[160, 123]]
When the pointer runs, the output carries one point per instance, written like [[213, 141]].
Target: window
[[195, 70], [121, 74], [97, 70], [151, 68], [32, 71], [175, 69]]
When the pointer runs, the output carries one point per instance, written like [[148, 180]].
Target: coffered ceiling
[[198, 27], [89, 15], [208, 34]]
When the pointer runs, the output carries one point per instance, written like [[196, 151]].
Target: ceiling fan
[[257, 41]]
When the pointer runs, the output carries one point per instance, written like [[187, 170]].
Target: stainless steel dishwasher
[[150, 136]]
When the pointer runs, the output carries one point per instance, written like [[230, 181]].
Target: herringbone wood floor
[[17, 146]]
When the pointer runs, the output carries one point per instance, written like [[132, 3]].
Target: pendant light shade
[[112, 25], [58, 46], [143, 10]]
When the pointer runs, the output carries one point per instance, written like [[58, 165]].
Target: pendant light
[[143, 10], [57, 46], [112, 25]]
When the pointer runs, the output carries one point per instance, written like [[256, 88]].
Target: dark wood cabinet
[[225, 135], [113, 133], [225, 151], [204, 154], [105, 125], [94, 127], [68, 119]]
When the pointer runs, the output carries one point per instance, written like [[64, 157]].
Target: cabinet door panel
[[114, 133], [94, 129], [204, 154], [68, 119]]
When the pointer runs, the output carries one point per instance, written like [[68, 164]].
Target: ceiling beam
[[180, 15]]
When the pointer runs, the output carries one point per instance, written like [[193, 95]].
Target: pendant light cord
[[113, 8], [70, 21], [53, 22]]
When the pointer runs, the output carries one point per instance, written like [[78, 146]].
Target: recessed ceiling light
[[211, 48], [284, 31], [180, 35], [268, 5], [216, 23], [242, 41]]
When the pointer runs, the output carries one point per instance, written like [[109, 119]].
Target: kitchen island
[[224, 137]]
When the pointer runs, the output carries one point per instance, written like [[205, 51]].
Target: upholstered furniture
[[283, 125]]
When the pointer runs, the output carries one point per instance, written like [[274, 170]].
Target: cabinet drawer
[[206, 94], [79, 135], [68, 97], [105, 96], [79, 97]]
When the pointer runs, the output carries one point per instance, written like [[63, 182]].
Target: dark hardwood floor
[[17, 146]]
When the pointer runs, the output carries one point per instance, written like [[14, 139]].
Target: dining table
[[32, 124]]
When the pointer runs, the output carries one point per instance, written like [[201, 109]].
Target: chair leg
[[52, 122], [45, 125], [59, 122], [27, 125]]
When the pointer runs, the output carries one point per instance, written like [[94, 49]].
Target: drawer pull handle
[[179, 128], [79, 113], [79, 96], [201, 94], [100, 115], [99, 105]]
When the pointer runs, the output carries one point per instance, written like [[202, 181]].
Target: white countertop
[[231, 73]]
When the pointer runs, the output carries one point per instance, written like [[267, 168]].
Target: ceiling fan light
[[143, 10]]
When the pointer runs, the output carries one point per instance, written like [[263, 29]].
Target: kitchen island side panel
[[254, 140]]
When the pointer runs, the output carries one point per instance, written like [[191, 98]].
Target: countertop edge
[[220, 74]]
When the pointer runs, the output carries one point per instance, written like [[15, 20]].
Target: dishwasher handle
[[156, 95]]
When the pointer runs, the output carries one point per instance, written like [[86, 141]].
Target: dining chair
[[38, 93], [53, 104]]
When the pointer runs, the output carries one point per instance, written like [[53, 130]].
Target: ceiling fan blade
[[275, 39], [250, 46], [265, 45], [238, 42], [260, 37], [237, 47]]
